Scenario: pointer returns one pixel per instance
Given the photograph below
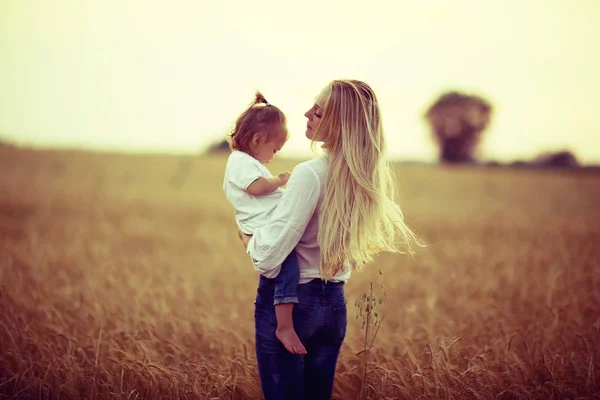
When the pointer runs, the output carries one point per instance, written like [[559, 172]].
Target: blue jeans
[[286, 283], [320, 321]]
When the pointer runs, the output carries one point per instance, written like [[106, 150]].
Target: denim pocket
[[341, 321], [303, 315]]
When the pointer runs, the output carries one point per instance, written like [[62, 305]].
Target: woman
[[337, 212]]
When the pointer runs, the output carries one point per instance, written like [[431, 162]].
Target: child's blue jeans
[[286, 283]]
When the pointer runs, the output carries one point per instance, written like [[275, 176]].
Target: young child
[[254, 192]]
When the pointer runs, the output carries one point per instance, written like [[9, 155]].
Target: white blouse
[[295, 224]]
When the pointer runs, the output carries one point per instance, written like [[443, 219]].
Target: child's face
[[266, 148]]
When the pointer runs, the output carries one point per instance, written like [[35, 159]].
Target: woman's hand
[[244, 238]]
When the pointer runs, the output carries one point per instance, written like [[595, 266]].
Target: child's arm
[[263, 185]]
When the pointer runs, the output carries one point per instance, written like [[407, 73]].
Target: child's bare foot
[[291, 341], [285, 329]]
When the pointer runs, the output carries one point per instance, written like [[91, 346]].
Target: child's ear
[[257, 138]]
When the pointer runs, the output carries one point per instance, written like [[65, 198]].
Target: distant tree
[[559, 159], [520, 164], [457, 122], [219, 147]]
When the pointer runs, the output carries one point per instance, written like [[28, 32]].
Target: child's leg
[[286, 295]]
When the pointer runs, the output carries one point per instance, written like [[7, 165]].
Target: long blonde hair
[[359, 216]]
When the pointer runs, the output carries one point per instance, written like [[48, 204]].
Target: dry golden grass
[[122, 277]]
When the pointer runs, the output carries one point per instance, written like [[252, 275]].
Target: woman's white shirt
[[295, 225]]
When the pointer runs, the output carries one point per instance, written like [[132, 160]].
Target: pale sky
[[173, 75]]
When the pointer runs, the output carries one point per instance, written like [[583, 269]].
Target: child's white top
[[251, 212]]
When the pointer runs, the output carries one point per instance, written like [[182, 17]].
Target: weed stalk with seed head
[[367, 305]]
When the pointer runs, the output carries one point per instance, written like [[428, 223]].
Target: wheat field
[[121, 276]]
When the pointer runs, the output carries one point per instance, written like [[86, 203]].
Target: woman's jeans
[[320, 322], [286, 282]]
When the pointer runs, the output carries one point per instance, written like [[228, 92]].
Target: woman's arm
[[272, 243]]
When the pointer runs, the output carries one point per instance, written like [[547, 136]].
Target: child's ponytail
[[259, 99]]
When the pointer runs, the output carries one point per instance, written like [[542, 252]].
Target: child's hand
[[284, 177]]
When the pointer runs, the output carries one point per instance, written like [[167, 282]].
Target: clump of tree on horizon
[[558, 159], [457, 122], [221, 146]]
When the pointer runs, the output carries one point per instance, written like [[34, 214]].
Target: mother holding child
[[335, 213]]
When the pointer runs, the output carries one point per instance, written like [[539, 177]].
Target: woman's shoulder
[[314, 169], [318, 165]]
